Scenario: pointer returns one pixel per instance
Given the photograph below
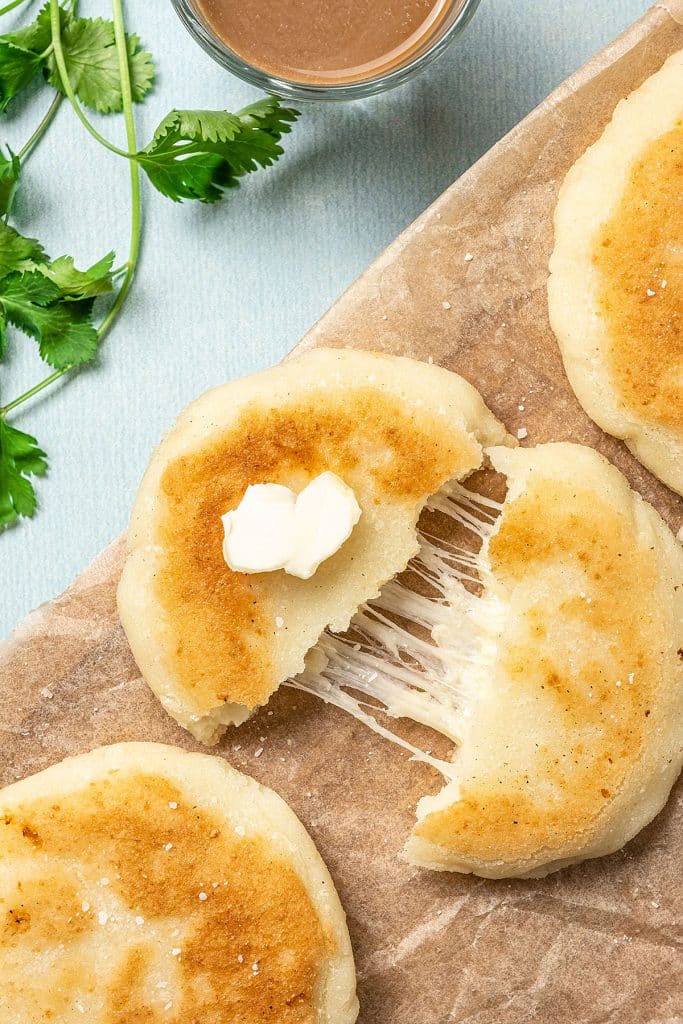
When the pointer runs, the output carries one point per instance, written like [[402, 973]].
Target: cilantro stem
[[42, 127], [35, 390], [135, 226], [10, 7], [55, 23], [128, 268]]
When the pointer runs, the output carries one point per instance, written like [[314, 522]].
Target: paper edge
[[616, 49]]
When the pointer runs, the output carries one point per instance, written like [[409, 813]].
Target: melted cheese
[[425, 646]]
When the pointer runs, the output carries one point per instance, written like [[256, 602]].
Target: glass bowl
[[432, 46]]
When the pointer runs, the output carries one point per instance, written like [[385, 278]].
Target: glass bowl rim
[[290, 89]]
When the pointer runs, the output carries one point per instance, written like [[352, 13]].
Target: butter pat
[[272, 528], [325, 514], [259, 534]]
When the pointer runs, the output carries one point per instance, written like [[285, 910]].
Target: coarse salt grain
[[173, 805], [85, 907], [258, 751], [168, 846], [203, 896], [522, 433], [240, 958], [468, 257], [446, 304], [650, 292], [103, 917], [175, 951], [279, 621]]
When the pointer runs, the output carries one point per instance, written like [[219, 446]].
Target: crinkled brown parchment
[[596, 944]]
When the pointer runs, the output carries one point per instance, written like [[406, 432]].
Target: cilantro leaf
[[38, 35], [75, 285], [197, 154], [64, 330], [92, 62], [67, 335], [17, 252], [17, 68], [20, 458], [10, 170], [22, 54]]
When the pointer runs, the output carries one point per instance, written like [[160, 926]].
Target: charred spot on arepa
[[638, 256]]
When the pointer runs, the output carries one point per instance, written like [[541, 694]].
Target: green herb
[[92, 65], [20, 458], [10, 169], [90, 58], [194, 155]]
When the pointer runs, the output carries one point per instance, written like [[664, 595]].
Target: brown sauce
[[326, 41]]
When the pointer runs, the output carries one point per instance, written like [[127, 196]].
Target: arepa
[[616, 275], [214, 644], [142, 883], [554, 664]]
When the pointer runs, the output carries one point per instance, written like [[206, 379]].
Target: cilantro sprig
[[193, 155], [90, 58]]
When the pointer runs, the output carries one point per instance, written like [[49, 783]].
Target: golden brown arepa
[[616, 283], [214, 644], [142, 883], [571, 700]]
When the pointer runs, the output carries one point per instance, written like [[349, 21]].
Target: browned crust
[[640, 247], [120, 828], [510, 817], [222, 620]]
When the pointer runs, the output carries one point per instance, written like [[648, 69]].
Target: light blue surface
[[227, 290]]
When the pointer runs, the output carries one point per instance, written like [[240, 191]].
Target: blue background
[[223, 291]]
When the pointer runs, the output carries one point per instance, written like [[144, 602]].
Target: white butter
[[259, 533], [326, 513], [273, 528]]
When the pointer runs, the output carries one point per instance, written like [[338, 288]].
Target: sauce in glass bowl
[[325, 49]]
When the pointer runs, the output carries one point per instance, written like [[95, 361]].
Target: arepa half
[[214, 644]]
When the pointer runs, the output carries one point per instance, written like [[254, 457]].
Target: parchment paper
[[596, 944]]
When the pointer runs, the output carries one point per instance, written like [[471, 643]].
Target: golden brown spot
[[31, 834], [597, 669], [157, 859], [223, 620], [639, 248]]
